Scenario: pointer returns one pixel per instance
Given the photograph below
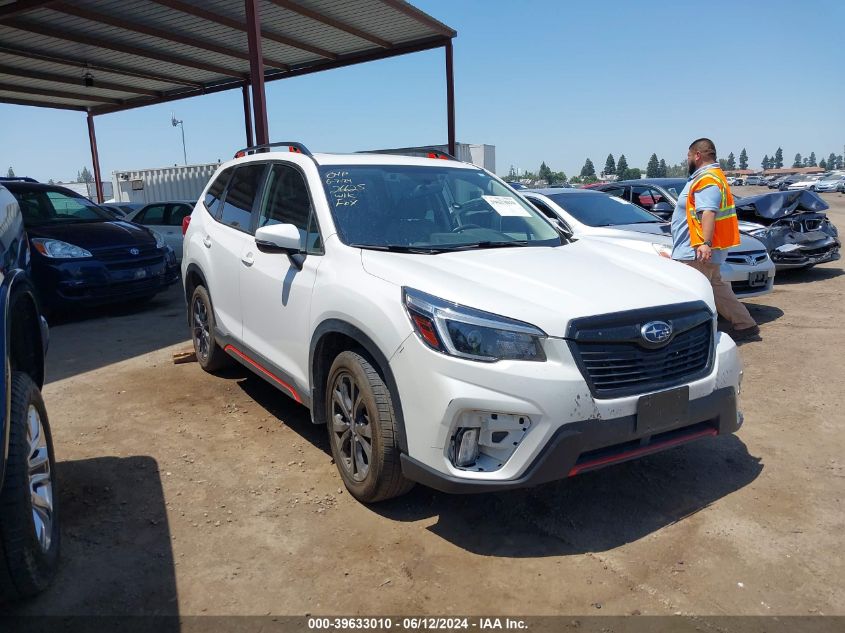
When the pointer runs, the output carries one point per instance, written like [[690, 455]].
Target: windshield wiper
[[484, 244], [399, 248]]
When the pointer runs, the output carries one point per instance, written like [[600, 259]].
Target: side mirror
[[662, 207], [278, 238], [281, 238]]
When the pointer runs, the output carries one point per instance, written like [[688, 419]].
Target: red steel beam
[[169, 36], [450, 97], [421, 17], [84, 64], [95, 158], [23, 6], [74, 81], [247, 117], [223, 20], [324, 19], [256, 72], [41, 104], [59, 94], [87, 40]]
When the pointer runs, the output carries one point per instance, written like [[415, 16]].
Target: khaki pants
[[727, 304]]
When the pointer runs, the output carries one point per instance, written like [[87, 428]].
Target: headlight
[[56, 249], [662, 250], [465, 332], [159, 239]]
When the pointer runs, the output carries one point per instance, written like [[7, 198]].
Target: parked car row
[[831, 181], [792, 226]]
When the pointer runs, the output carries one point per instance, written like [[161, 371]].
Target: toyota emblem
[[656, 332], [134, 251]]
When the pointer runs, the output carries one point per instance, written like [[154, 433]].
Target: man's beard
[[691, 168]]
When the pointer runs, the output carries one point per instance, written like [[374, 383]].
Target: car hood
[[773, 206], [93, 236], [543, 286], [661, 233]]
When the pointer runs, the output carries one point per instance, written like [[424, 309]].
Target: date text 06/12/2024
[[416, 623]]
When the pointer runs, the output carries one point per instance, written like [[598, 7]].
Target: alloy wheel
[[202, 331], [351, 426], [39, 477]]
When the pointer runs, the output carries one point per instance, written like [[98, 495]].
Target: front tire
[[210, 355], [362, 430], [29, 517]]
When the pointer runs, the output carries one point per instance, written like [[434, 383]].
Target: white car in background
[[600, 216], [165, 218], [805, 183]]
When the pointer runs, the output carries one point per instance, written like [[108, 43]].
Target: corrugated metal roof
[[138, 52]]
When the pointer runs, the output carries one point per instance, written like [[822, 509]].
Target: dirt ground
[[184, 493]]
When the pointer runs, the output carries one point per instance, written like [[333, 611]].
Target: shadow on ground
[[594, 512], [84, 341], [116, 557], [803, 275], [763, 313]]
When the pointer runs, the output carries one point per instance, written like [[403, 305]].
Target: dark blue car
[[82, 255]]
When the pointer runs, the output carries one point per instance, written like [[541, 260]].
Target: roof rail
[[424, 152], [293, 146], [17, 179]]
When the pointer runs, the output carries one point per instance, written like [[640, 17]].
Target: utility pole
[[181, 124]]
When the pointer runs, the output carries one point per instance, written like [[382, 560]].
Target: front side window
[[176, 213], [602, 210], [429, 208], [152, 215], [240, 196], [40, 208], [286, 201]]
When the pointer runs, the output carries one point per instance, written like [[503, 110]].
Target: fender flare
[[337, 326]]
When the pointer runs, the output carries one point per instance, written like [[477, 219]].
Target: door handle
[[206, 241], [248, 259]]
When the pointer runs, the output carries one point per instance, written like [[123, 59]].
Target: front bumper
[[745, 279], [91, 282], [439, 394], [582, 446]]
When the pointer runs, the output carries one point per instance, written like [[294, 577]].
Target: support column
[[250, 139], [95, 158], [450, 98], [256, 72]]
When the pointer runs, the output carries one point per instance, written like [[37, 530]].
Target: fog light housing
[[467, 441]]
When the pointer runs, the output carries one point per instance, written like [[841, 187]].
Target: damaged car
[[792, 225]]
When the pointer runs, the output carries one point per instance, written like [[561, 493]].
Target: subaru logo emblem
[[656, 332], [134, 251]]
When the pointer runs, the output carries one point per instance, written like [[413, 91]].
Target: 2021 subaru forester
[[445, 331]]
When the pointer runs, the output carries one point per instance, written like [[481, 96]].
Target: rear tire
[[29, 532], [362, 430], [210, 355]]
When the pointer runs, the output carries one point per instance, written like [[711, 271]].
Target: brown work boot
[[746, 334]]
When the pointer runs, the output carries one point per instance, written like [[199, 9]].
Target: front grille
[[616, 362], [122, 259], [746, 257]]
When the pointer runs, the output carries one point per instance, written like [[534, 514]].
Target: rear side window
[[176, 213], [240, 196], [151, 215], [215, 191]]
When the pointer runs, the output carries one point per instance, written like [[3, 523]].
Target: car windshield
[[597, 209], [41, 207], [429, 209]]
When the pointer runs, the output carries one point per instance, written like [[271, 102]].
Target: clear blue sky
[[541, 80]]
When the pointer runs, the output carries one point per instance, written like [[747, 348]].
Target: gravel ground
[[184, 493]]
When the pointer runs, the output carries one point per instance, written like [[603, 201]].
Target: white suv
[[443, 327]]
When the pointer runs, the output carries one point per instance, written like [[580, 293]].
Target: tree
[[622, 167], [10, 173], [765, 163], [545, 172], [731, 161], [840, 162], [813, 162], [84, 175], [512, 173], [634, 174], [805, 162], [51, 182], [743, 159], [831, 161], [609, 166], [588, 170], [662, 169], [822, 164], [797, 161], [652, 170], [681, 170], [558, 176], [778, 159], [723, 164]]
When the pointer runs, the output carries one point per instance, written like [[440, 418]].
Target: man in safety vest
[[705, 227]]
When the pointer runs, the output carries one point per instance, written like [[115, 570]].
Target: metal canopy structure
[[104, 56]]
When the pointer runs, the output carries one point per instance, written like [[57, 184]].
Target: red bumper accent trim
[[638, 452], [263, 370]]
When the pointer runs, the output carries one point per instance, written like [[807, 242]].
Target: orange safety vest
[[726, 234]]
